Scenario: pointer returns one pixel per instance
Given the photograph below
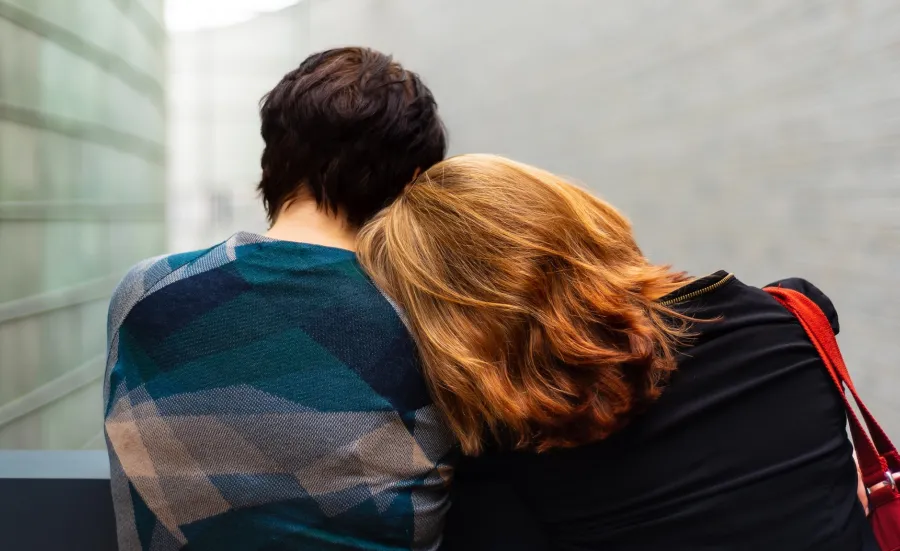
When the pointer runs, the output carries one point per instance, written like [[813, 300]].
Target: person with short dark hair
[[262, 393], [354, 127]]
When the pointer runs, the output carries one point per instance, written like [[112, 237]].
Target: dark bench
[[55, 501]]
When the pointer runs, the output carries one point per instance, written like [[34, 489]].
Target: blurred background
[[757, 137]]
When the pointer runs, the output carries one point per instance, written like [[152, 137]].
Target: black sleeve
[[487, 513], [813, 292]]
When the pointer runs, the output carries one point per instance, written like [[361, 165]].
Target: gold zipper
[[694, 294]]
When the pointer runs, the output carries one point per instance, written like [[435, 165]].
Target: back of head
[[350, 127], [532, 305]]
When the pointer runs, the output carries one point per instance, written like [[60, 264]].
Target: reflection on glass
[[82, 191]]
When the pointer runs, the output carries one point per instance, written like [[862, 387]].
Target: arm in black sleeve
[[813, 292], [487, 513]]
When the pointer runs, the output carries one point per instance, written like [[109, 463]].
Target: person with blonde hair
[[604, 401]]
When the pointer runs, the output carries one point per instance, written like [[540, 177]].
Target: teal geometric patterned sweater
[[264, 395]]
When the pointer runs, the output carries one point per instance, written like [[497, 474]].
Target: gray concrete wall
[[760, 137], [82, 115]]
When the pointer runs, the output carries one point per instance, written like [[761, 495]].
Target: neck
[[303, 221]]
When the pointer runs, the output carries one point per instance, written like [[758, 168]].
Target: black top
[[746, 449]]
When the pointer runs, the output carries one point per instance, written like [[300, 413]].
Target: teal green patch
[[177, 261], [135, 364], [278, 262], [144, 519], [290, 365]]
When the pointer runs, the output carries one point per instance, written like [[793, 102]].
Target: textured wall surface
[[759, 137], [82, 198]]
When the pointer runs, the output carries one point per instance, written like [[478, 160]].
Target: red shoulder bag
[[878, 458]]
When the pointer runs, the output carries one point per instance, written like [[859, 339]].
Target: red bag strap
[[877, 455]]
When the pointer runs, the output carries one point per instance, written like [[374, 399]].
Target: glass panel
[[82, 193]]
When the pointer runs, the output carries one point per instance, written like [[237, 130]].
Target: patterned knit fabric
[[263, 394]]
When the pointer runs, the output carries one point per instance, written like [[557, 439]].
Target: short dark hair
[[351, 126]]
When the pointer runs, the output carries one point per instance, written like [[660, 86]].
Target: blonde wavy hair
[[534, 310]]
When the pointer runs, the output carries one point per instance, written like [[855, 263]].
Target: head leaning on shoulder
[[533, 307], [348, 129]]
